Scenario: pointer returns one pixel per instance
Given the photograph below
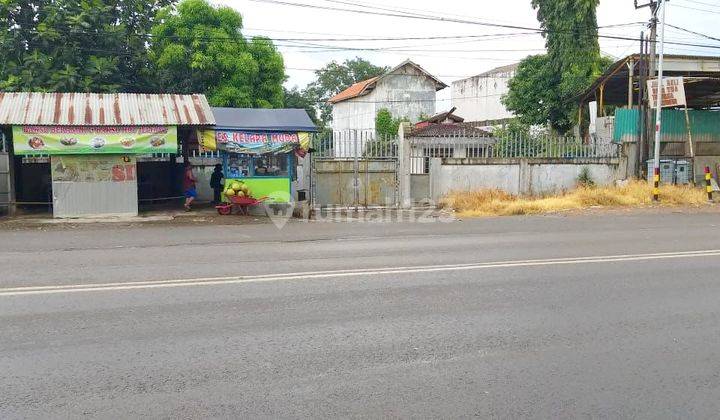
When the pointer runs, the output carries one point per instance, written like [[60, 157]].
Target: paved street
[[610, 316]]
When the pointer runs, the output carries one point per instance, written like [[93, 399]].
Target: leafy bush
[[584, 179]]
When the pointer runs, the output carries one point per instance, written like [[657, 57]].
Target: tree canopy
[[544, 87], [137, 46], [296, 98], [386, 126], [199, 48], [335, 77], [70, 45]]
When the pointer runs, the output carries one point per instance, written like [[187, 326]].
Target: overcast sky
[[450, 59]]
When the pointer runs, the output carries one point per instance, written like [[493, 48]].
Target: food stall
[[93, 168], [91, 143], [260, 150]]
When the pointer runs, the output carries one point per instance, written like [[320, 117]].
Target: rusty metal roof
[[33, 108]]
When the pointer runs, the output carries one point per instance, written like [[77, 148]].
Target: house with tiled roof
[[407, 91]]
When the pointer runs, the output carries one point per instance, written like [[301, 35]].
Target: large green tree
[[335, 77], [198, 48], [71, 45], [296, 98], [544, 87]]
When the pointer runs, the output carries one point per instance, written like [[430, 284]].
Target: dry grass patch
[[633, 194]]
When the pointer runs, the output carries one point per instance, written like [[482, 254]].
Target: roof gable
[[366, 86]]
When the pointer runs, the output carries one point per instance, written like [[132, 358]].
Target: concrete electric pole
[[655, 67], [658, 106]]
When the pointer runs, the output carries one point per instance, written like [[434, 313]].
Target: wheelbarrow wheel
[[224, 210]]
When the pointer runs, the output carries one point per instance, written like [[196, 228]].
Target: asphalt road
[[612, 316]]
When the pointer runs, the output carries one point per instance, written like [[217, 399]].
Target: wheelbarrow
[[241, 203]]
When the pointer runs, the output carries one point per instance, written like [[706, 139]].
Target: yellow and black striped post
[[656, 185], [708, 184]]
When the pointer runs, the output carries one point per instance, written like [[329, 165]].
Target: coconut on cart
[[238, 195]]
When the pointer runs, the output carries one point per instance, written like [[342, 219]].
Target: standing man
[[189, 182], [216, 183]]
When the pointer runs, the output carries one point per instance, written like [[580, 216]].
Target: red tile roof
[[355, 90], [443, 130]]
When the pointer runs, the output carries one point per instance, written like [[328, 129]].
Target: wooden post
[[601, 103], [689, 130]]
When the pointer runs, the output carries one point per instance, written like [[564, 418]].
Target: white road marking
[[308, 275]]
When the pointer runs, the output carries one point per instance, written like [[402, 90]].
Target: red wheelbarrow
[[241, 203]]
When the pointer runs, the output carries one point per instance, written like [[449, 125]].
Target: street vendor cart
[[260, 150]]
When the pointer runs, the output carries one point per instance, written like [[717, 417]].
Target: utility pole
[[654, 5], [658, 107], [644, 111]]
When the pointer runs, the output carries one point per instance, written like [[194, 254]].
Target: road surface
[[610, 316]]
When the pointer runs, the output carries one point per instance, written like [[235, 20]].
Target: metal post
[[658, 103], [356, 171], [708, 183], [631, 75], [641, 105]]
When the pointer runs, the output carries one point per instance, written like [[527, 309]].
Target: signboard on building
[[85, 140], [252, 142], [94, 185], [93, 169], [673, 92]]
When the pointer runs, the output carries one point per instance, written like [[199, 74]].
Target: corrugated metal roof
[[33, 108]]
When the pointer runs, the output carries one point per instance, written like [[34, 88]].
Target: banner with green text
[[82, 140]]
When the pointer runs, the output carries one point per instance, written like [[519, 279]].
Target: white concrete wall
[[478, 98], [515, 177], [548, 178], [405, 93], [354, 114], [446, 178]]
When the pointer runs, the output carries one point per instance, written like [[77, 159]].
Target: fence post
[[356, 170], [708, 183], [404, 150], [524, 177]]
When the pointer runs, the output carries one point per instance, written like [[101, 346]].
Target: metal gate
[[354, 168]]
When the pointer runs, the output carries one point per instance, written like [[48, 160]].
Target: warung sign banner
[[88, 140], [673, 92]]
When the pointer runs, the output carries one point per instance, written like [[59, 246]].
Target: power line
[[693, 32], [488, 76], [441, 19], [702, 3], [716, 12]]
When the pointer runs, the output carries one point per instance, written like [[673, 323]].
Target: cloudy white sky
[[450, 59]]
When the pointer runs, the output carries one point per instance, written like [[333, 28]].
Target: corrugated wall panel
[[705, 125]]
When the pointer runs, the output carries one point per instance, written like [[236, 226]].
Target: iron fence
[[422, 149], [351, 144]]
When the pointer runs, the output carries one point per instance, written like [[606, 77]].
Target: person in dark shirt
[[216, 183]]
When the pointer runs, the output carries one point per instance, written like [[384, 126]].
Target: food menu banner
[[81, 140], [93, 168]]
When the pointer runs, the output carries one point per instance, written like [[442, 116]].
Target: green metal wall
[[705, 125]]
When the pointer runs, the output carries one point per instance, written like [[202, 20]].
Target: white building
[[477, 98], [407, 91]]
